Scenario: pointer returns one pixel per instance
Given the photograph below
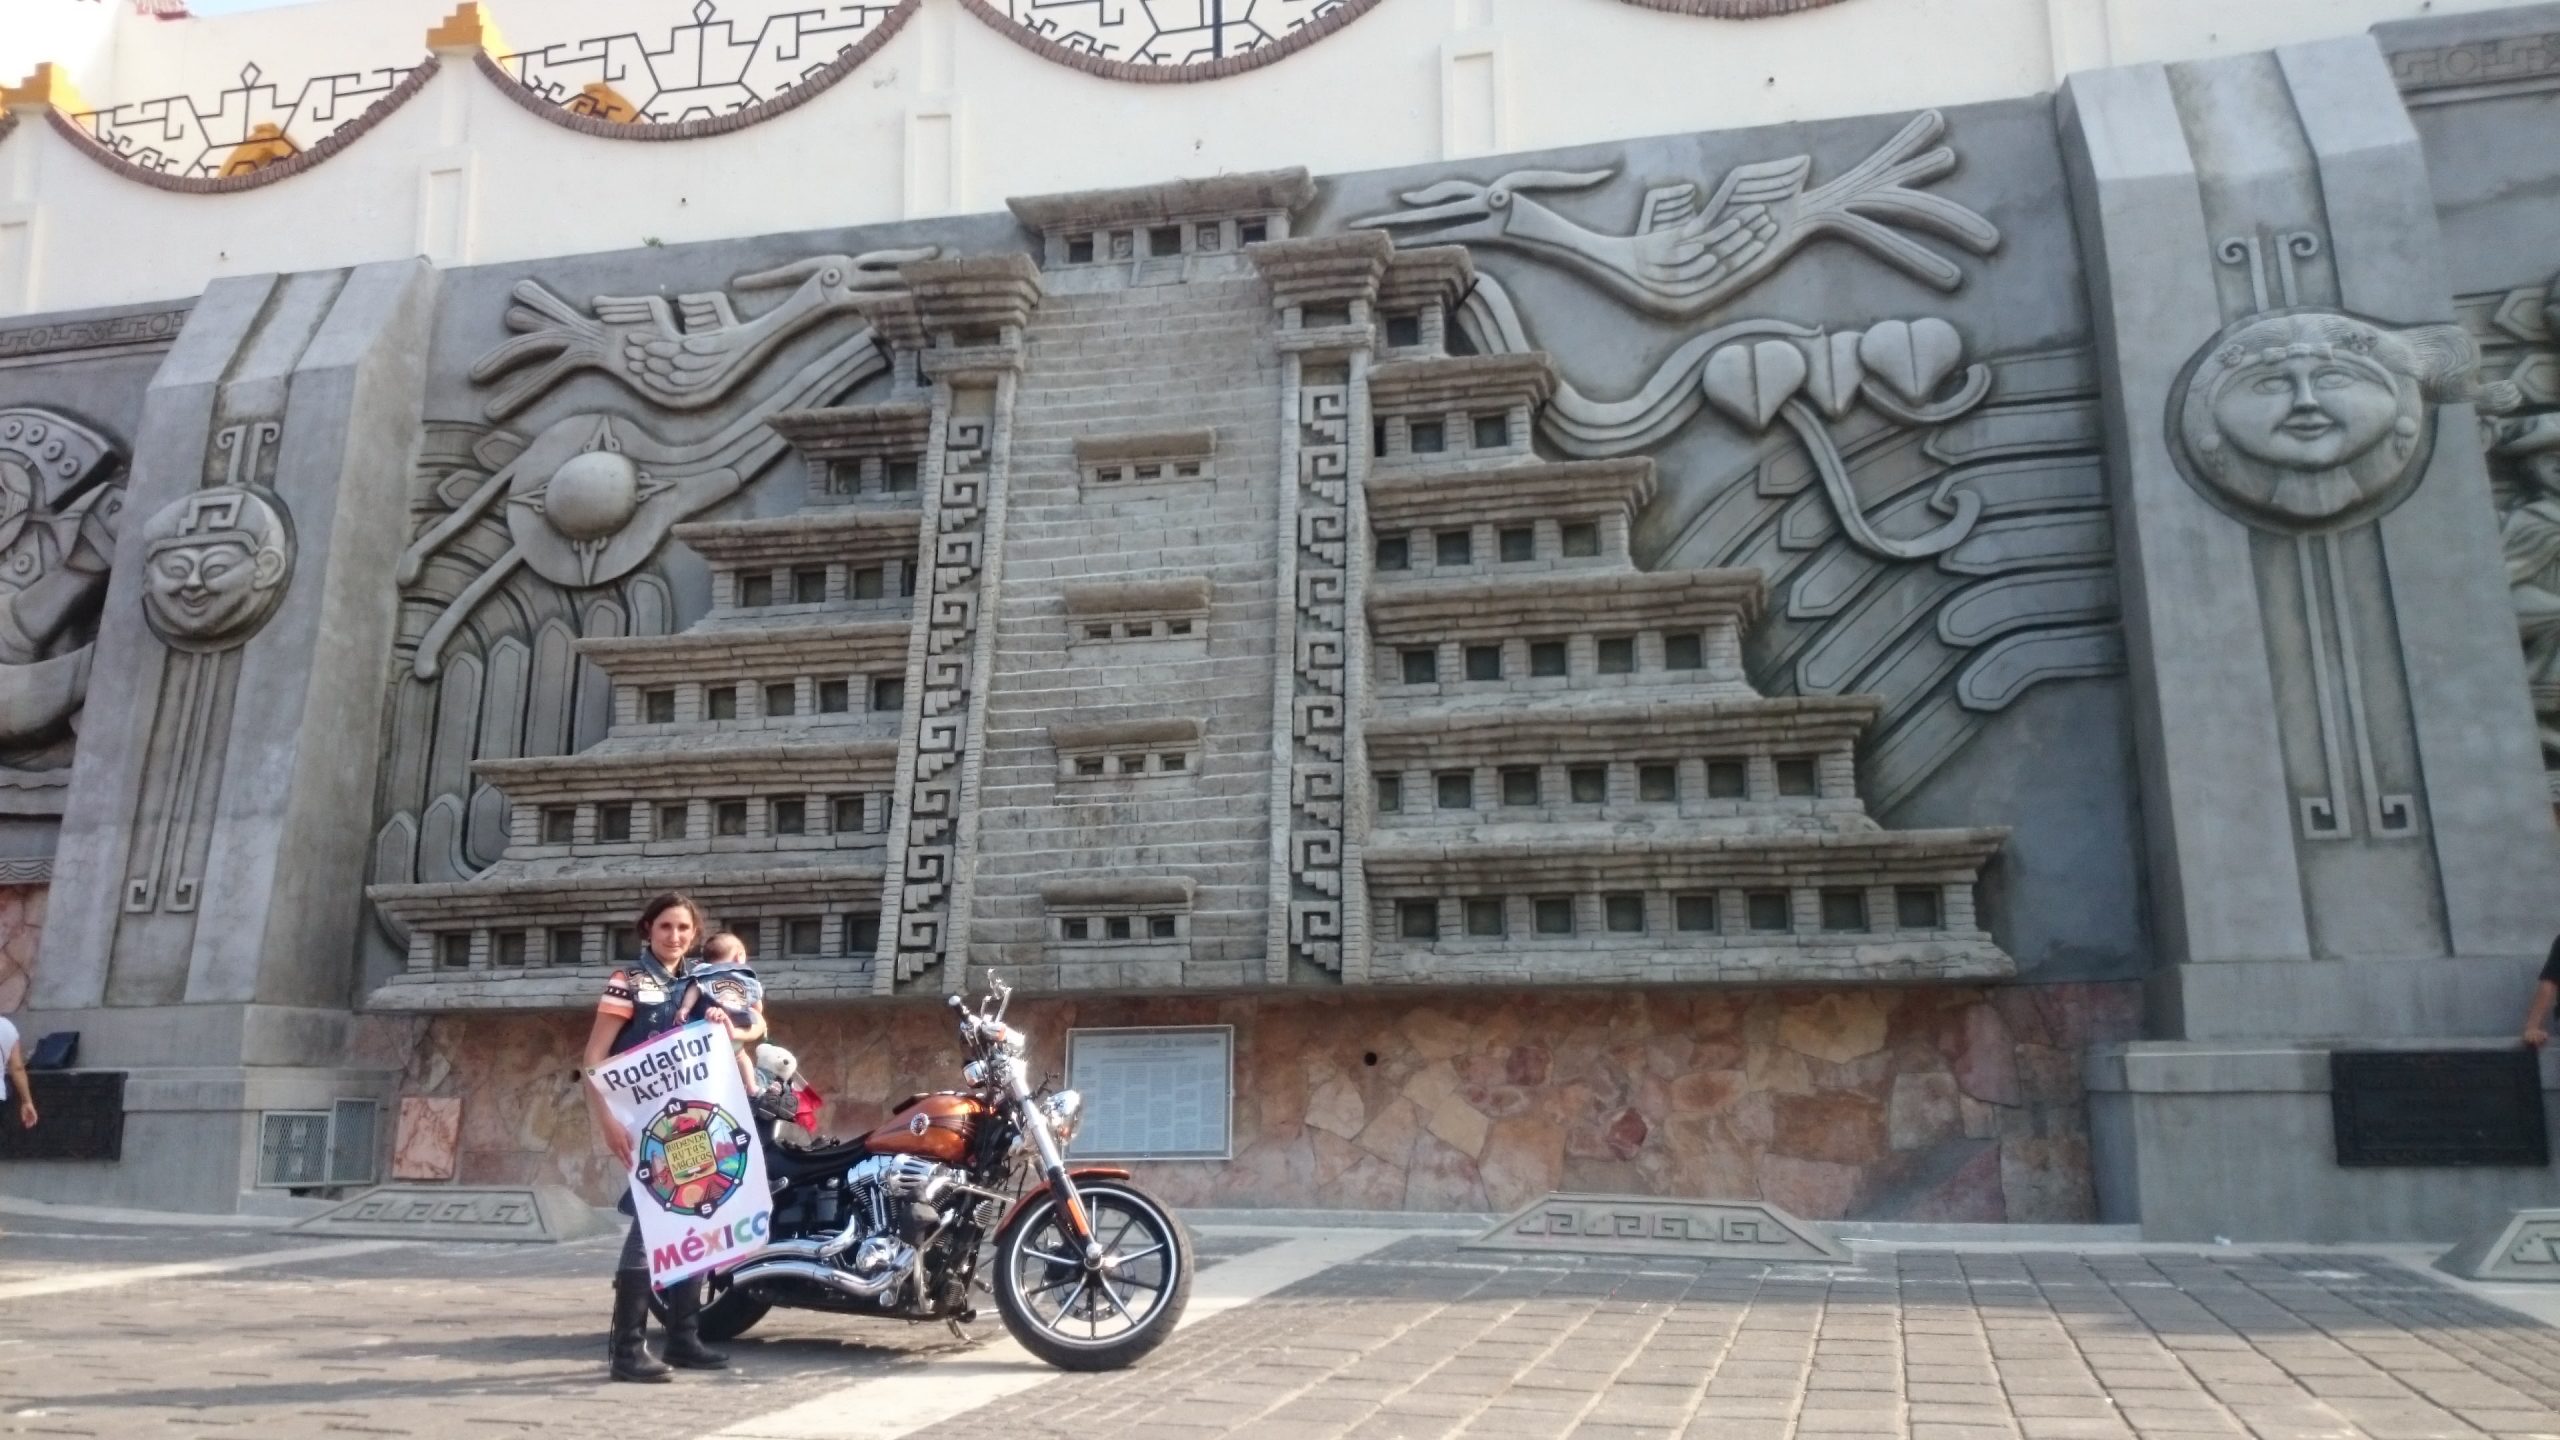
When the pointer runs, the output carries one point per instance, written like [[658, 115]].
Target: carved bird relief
[[1688, 255], [683, 356]]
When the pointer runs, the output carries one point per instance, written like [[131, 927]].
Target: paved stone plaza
[[1411, 1337]]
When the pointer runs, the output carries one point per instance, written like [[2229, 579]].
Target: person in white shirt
[[15, 1084]]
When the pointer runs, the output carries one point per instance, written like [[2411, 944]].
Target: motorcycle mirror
[[956, 1002]]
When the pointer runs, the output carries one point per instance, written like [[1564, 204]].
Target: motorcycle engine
[[893, 1204]]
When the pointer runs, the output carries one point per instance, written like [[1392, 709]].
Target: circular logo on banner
[[692, 1154]]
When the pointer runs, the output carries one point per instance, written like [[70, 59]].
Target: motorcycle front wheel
[[1093, 1317]]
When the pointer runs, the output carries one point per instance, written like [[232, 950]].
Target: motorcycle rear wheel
[[1080, 1318]]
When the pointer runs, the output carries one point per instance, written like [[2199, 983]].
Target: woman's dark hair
[[665, 903]]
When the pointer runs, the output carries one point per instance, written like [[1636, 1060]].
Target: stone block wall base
[[2201, 1140], [191, 1137], [2284, 1000], [1941, 1105], [161, 1036]]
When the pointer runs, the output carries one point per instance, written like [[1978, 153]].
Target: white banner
[[697, 1173]]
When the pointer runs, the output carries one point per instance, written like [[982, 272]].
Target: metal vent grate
[[300, 1149]]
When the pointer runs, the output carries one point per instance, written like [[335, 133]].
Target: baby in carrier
[[771, 1074]]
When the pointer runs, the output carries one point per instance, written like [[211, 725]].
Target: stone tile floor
[[1419, 1339], [1425, 1340]]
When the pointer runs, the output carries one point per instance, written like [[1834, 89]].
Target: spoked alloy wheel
[[1093, 1317]]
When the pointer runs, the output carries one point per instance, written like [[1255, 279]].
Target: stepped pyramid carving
[[1189, 617], [751, 760], [1570, 778]]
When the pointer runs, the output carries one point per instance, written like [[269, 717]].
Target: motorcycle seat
[[825, 1154]]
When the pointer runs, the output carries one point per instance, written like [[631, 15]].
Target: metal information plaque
[[79, 1116], [1153, 1094], [2438, 1107]]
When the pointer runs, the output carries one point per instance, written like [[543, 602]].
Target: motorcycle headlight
[[1064, 1111]]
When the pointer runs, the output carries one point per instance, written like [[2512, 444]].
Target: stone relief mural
[[61, 497], [1934, 524], [687, 365], [2519, 346], [217, 562], [2313, 424], [530, 540], [1692, 252], [1926, 504]]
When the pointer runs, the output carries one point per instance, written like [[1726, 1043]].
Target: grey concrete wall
[[2240, 1145]]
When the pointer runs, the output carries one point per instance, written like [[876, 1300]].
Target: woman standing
[[642, 1002]]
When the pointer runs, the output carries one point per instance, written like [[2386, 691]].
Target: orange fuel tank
[[936, 1126]]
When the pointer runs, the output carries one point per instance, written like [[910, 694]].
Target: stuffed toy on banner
[[697, 1173]]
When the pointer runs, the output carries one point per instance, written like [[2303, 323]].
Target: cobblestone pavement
[[417, 1340], [1424, 1340], [1420, 1339]]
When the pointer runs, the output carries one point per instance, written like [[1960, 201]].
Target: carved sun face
[[2307, 420], [212, 587], [2306, 412], [214, 568]]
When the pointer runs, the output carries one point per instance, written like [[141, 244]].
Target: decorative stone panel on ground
[[1642, 1225], [538, 1214], [2524, 1247]]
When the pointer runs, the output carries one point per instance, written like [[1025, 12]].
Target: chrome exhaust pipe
[[842, 1282]]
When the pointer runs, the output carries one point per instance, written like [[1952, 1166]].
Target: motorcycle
[[1088, 1271]]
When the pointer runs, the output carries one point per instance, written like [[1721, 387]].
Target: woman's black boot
[[684, 1334], [630, 1343]]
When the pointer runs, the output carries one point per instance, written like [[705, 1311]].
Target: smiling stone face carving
[[215, 566], [2316, 420]]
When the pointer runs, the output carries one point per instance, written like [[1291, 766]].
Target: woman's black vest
[[657, 1002]]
